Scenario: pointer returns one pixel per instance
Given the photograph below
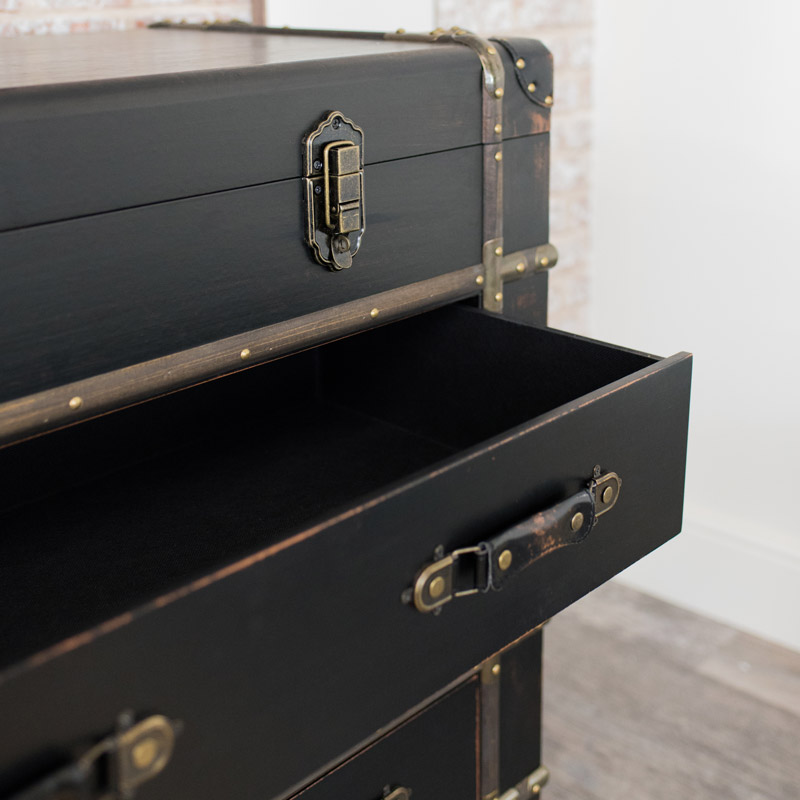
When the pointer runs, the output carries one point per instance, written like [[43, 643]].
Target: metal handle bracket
[[491, 564]]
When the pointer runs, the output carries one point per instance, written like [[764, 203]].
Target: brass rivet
[[505, 560], [498, 128], [520, 62], [498, 296], [374, 313], [401, 30], [544, 261], [245, 354], [548, 100], [76, 403], [491, 51], [436, 587], [531, 87], [498, 156], [498, 92], [521, 267], [496, 670], [144, 753], [608, 494], [498, 251], [577, 521], [535, 790], [479, 280]]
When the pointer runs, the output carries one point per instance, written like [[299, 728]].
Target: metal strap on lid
[[65, 405], [494, 87]]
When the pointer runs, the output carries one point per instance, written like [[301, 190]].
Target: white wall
[[696, 246]]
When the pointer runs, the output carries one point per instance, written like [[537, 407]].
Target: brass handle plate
[[114, 767]]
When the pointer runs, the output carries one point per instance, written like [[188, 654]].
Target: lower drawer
[[248, 556], [434, 755]]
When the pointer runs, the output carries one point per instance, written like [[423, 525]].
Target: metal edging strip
[[492, 139], [490, 729], [65, 405], [91, 397], [492, 93]]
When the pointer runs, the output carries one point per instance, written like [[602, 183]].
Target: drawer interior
[[103, 516]]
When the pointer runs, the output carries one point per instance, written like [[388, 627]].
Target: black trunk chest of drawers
[[293, 471]]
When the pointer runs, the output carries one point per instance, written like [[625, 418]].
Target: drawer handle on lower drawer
[[116, 766], [490, 564]]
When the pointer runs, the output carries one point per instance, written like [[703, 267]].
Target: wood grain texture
[[164, 114], [636, 705], [49, 410], [765, 671], [69, 150], [112, 55], [103, 292], [416, 756], [520, 710], [202, 647], [100, 293]]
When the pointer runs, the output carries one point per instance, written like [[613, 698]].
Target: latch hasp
[[333, 167]]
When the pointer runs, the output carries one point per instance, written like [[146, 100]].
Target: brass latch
[[530, 787], [334, 187], [114, 767], [401, 793], [490, 564]]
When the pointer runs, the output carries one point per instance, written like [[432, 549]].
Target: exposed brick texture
[[566, 27], [22, 17]]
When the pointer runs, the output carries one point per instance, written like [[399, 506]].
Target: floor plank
[[761, 669], [639, 704]]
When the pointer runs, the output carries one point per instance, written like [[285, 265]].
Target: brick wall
[[20, 17], [566, 28]]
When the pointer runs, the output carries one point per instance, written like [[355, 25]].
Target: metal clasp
[[605, 489], [400, 793], [334, 188], [458, 574], [116, 766], [490, 564]]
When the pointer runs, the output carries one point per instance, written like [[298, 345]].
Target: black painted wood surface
[[521, 710], [153, 115], [88, 296], [277, 628], [99, 293], [433, 755], [147, 215]]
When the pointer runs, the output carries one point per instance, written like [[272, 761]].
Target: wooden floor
[[644, 701]]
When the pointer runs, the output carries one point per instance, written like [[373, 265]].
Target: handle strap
[[491, 564]]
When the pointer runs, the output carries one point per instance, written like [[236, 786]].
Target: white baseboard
[[748, 579]]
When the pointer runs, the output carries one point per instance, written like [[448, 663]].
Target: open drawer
[[243, 556]]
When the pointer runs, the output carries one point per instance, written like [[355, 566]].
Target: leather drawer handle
[[115, 767], [491, 564]]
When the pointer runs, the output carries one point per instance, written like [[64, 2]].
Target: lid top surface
[[46, 60]]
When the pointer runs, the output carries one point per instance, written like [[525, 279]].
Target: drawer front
[[283, 660], [433, 756]]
